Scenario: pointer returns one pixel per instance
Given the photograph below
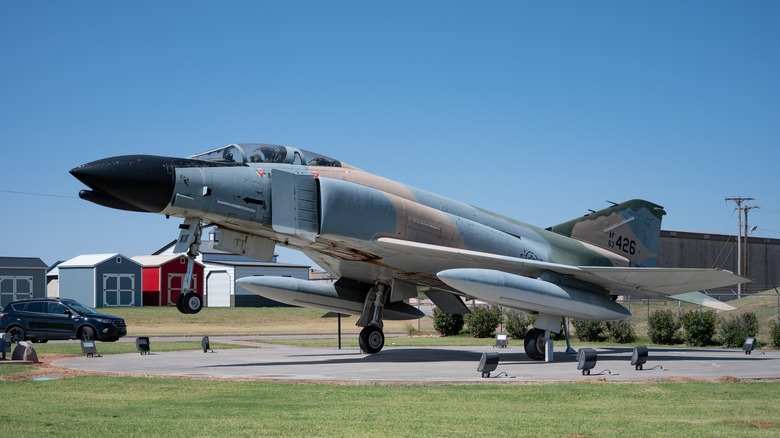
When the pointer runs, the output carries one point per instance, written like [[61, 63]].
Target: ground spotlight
[[142, 344], [88, 348], [749, 345], [205, 344], [639, 357], [487, 363], [586, 360]]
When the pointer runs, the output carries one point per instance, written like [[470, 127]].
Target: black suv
[[43, 319]]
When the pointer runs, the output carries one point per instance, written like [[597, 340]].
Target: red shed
[[163, 278]]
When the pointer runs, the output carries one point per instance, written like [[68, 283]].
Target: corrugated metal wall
[[678, 249]]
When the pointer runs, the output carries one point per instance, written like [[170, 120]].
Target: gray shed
[[102, 280], [21, 278]]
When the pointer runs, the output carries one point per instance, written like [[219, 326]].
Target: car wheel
[[88, 334], [16, 334]]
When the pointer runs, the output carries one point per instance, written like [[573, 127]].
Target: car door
[[60, 322], [35, 315]]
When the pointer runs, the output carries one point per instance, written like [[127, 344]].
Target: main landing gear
[[535, 341], [188, 301], [372, 338]]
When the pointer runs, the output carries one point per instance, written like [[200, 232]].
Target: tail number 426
[[626, 245]]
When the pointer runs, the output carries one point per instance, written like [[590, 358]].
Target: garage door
[[218, 289]]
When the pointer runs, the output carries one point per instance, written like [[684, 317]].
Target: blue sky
[[536, 110]]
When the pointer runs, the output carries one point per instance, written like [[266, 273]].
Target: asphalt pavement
[[427, 365]]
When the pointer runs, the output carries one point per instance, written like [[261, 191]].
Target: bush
[[447, 324], [483, 321], [699, 327], [662, 327], [774, 333], [735, 329], [589, 331], [621, 332], [516, 323]]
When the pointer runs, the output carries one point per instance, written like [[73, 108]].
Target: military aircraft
[[387, 242]]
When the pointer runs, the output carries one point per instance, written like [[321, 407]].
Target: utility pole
[[739, 200], [747, 208]]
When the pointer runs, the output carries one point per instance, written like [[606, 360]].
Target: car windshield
[[241, 154], [80, 308]]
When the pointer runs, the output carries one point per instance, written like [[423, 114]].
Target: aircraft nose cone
[[132, 182]]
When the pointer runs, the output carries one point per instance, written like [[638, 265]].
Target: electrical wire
[[15, 192]]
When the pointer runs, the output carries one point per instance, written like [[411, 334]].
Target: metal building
[[683, 249], [101, 280], [21, 278]]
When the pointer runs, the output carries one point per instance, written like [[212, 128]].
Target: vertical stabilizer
[[631, 229]]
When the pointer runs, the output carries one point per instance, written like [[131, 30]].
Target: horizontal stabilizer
[[702, 300], [667, 281]]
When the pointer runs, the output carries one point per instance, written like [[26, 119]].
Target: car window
[[57, 308], [18, 307], [36, 307]]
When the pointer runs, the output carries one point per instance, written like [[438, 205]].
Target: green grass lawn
[[137, 406], [146, 406]]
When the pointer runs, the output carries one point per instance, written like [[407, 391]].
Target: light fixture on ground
[[749, 345], [487, 363], [142, 345], [639, 357], [205, 344], [586, 360], [88, 347]]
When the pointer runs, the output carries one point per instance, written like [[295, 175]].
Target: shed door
[[14, 288], [175, 286], [118, 290]]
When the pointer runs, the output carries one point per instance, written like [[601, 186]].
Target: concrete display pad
[[411, 365]]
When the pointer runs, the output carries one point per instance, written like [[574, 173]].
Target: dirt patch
[[45, 369], [757, 425], [730, 379]]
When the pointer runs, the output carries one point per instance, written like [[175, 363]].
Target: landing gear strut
[[372, 338], [188, 301]]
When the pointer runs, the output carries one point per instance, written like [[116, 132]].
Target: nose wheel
[[371, 339]]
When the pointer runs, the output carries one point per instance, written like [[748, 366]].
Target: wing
[[682, 284]]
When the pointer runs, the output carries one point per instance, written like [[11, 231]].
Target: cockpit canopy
[[248, 153]]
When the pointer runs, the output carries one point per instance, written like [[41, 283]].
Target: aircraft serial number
[[624, 244]]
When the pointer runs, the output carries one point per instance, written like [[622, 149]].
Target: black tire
[[88, 334], [534, 344], [371, 339], [192, 303], [16, 334], [180, 304]]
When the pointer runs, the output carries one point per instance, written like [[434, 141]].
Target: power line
[[38, 194]]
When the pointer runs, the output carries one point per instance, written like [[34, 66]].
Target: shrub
[[516, 323], [662, 327], [588, 331], [735, 329], [621, 332], [483, 321], [774, 333], [447, 324], [699, 327]]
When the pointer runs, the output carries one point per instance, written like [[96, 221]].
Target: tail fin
[[631, 229]]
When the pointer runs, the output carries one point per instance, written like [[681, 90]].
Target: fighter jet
[[387, 242]]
